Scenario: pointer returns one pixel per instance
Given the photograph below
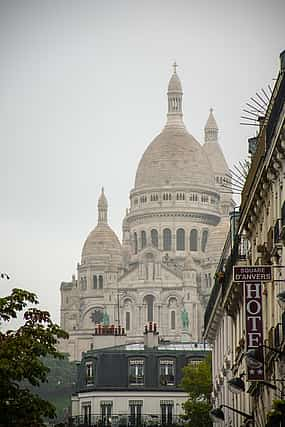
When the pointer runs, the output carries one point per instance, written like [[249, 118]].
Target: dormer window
[[166, 372], [136, 371], [89, 373]]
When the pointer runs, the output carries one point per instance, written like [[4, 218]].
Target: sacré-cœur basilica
[[173, 234]]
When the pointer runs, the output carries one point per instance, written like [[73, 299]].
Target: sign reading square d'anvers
[[252, 278]]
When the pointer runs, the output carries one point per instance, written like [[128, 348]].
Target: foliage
[[197, 381], [21, 360], [277, 414], [60, 384], [197, 413]]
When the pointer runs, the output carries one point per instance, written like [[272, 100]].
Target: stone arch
[[167, 239], [154, 237], [180, 239], [193, 240]]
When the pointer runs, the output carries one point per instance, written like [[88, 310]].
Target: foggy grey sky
[[83, 92]]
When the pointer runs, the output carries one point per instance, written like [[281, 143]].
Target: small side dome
[[102, 245]]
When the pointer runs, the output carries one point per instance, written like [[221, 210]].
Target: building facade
[[133, 384], [259, 241], [173, 233]]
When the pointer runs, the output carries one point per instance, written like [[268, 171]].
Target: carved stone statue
[[185, 319], [105, 319]]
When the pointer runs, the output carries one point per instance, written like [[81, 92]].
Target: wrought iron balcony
[[126, 420]]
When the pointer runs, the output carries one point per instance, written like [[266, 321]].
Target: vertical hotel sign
[[252, 278]]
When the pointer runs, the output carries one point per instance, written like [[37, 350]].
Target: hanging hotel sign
[[252, 278]]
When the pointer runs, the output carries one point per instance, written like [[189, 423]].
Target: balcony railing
[[126, 420]]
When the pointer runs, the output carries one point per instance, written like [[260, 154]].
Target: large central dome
[[174, 157]]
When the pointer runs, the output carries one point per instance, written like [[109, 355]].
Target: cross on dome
[[174, 67]]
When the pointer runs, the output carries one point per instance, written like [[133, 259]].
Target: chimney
[[151, 335]]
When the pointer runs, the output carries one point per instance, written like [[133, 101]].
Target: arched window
[[167, 239], [193, 240], [172, 319], [204, 240], [128, 320], [100, 282], [143, 239], [135, 243], [180, 240], [94, 281], [149, 300], [154, 238]]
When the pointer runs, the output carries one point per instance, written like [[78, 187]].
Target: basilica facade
[[173, 234]]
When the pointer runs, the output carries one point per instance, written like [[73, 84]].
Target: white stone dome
[[102, 245], [174, 158]]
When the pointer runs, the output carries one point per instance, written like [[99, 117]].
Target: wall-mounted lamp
[[236, 384], [217, 414]]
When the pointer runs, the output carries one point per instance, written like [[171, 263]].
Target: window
[[166, 409], [106, 409], [172, 319], [180, 196], [136, 371], [205, 198], [194, 240], [180, 240], [94, 282], [166, 372], [154, 197], [149, 300], [135, 243], [100, 282], [86, 412], [193, 197], [166, 196], [167, 239], [204, 240], [154, 238], [143, 239], [128, 321], [89, 374], [83, 283], [194, 362], [135, 412]]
